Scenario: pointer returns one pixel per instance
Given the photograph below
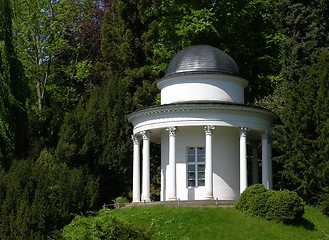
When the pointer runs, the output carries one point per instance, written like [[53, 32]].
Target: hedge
[[282, 206]]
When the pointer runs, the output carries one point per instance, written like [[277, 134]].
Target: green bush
[[103, 226], [284, 206], [120, 202], [245, 201], [258, 204], [38, 198], [324, 204]]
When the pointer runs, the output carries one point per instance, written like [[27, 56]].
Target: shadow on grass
[[304, 223]]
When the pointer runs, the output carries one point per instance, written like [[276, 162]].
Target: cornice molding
[[203, 107]]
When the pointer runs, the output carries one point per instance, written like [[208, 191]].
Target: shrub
[[120, 202], [246, 200], [284, 206], [103, 226], [258, 204], [324, 204]]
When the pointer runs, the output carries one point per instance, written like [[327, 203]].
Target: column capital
[[171, 131], [145, 135], [135, 139], [209, 129], [243, 131], [266, 134]]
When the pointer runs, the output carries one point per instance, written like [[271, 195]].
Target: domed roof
[[202, 59]]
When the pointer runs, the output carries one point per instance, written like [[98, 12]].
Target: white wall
[[225, 162], [202, 87]]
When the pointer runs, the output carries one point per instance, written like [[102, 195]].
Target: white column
[[208, 168], [254, 162], [265, 160], [243, 159], [136, 170], [146, 166], [270, 164], [172, 163]]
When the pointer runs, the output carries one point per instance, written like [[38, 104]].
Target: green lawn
[[221, 223]]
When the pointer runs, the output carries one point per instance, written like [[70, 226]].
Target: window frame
[[197, 163]]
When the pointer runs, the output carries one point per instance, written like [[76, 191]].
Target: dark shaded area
[[304, 223]]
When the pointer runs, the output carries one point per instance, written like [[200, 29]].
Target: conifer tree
[[303, 98], [13, 119], [97, 134]]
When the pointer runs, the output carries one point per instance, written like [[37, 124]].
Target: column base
[[209, 198], [146, 200], [172, 199]]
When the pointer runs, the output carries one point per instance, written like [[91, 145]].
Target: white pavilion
[[203, 126]]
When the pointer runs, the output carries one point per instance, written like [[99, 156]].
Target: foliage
[[13, 118], [57, 50], [38, 198], [299, 138], [246, 30], [103, 226], [221, 223], [304, 28], [70, 74], [303, 136], [324, 203], [245, 201], [120, 200], [96, 135], [283, 206]]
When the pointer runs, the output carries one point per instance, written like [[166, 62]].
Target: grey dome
[[202, 59]]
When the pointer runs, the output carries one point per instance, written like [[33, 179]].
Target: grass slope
[[221, 223]]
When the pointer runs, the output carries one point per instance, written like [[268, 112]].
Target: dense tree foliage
[[303, 136], [97, 135], [303, 95], [57, 42], [244, 29], [71, 71], [13, 93], [38, 198]]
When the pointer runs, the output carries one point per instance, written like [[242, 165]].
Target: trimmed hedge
[[281, 206], [284, 206], [245, 201]]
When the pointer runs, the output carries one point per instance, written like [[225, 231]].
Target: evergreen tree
[[38, 198], [305, 26], [97, 134], [303, 137], [301, 99], [13, 118]]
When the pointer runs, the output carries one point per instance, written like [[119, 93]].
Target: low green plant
[[258, 203], [122, 200], [104, 226], [324, 204], [246, 201], [284, 206], [281, 206]]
